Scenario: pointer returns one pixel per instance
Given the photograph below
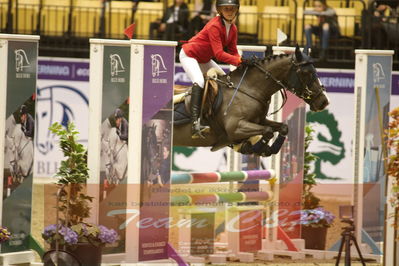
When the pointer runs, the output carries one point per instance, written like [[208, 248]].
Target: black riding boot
[[196, 99]]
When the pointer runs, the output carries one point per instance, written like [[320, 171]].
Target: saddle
[[211, 101]]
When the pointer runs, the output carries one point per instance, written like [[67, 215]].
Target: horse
[[19, 150], [114, 151], [249, 89]]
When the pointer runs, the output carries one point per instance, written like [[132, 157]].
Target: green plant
[[74, 203], [73, 174], [312, 214], [309, 200]]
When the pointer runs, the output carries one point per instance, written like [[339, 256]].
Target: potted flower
[[314, 219], [71, 232], [5, 235], [393, 162]]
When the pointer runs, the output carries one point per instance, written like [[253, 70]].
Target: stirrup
[[197, 129]]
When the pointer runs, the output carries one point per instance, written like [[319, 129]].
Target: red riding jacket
[[211, 42]]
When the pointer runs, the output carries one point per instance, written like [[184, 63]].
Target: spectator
[[173, 24], [327, 26], [199, 21], [384, 26]]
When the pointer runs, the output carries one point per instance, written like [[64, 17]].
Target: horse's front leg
[[277, 127], [258, 137], [245, 129]]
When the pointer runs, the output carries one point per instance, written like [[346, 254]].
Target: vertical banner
[[62, 96], [114, 139], [291, 166], [202, 233], [156, 142], [373, 77], [250, 231], [376, 120], [19, 57]]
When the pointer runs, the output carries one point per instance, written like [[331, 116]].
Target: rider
[[218, 39], [122, 126], [27, 122]]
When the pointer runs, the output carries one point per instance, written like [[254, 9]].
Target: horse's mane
[[268, 59]]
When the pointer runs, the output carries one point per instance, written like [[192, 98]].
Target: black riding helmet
[[227, 3]]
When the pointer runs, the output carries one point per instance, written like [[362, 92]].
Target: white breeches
[[194, 70]]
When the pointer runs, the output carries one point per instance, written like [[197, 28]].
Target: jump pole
[[215, 201], [18, 76]]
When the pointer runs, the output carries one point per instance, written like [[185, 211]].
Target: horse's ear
[[298, 54]]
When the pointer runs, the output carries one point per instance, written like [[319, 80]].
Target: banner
[[62, 96], [291, 166], [114, 139], [376, 121], [156, 147], [19, 135]]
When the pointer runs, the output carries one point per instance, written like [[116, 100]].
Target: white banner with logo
[[62, 96]]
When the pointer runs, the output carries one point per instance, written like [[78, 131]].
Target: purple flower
[[318, 216], [69, 236], [107, 235]]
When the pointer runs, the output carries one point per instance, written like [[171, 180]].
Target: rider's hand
[[247, 61]]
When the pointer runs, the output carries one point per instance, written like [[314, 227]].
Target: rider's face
[[118, 121], [228, 12], [23, 118]]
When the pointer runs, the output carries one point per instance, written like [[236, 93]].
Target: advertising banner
[[62, 96], [114, 139], [250, 231], [203, 233], [18, 148], [378, 92], [155, 149], [291, 166]]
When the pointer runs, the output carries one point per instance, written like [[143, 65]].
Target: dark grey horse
[[246, 117]]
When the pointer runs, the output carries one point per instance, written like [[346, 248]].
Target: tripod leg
[[358, 251], [341, 246], [347, 250]]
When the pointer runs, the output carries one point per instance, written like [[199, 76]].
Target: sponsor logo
[[158, 67], [378, 73], [116, 68], [21, 62], [62, 104]]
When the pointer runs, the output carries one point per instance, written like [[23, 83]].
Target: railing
[[66, 28]]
